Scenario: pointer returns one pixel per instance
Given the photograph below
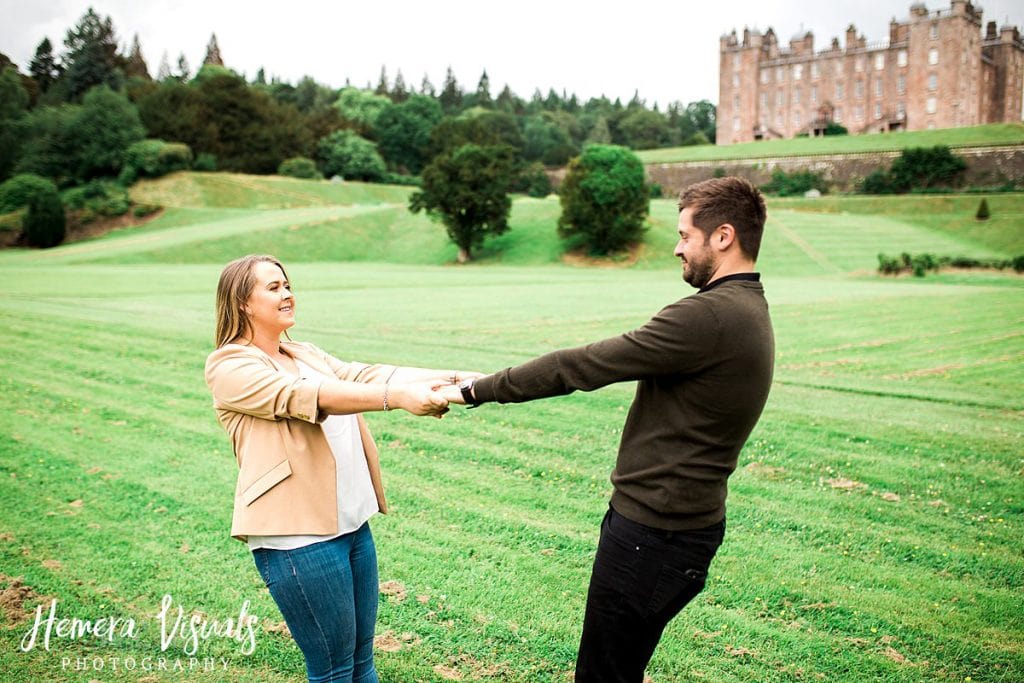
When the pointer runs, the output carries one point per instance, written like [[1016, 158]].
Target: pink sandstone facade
[[937, 70]]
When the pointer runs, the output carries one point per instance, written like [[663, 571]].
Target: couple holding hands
[[309, 473]]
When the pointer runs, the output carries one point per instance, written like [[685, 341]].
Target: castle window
[[878, 87], [859, 64], [797, 119], [839, 91], [815, 70], [879, 61], [933, 82], [932, 105], [934, 33], [878, 110], [859, 113], [798, 71], [858, 89], [839, 68], [780, 74], [736, 61], [735, 80], [764, 76], [901, 84], [778, 120], [814, 94], [838, 114], [779, 98], [796, 96], [933, 56], [901, 110], [764, 100], [735, 102], [901, 58], [735, 123]]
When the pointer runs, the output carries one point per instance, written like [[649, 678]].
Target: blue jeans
[[327, 593], [642, 578]]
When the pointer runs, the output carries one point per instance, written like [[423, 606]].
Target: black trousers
[[642, 578]]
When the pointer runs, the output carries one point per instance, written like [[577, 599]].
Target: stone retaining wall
[[986, 166]]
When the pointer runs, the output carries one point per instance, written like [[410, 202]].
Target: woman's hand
[[418, 399]]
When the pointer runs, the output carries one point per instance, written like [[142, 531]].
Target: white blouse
[[357, 501]]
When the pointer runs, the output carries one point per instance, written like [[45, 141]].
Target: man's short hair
[[728, 200]]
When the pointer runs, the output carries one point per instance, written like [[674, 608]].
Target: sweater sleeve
[[676, 340]]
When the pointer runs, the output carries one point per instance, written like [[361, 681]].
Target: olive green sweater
[[704, 366]]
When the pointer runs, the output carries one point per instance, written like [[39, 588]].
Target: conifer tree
[[91, 54], [399, 93], [483, 91], [451, 95], [184, 71], [164, 71], [427, 88], [44, 67], [382, 84], [136, 63], [213, 52]]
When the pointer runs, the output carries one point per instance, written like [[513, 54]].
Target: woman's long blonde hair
[[233, 291]]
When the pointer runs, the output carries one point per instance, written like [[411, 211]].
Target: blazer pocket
[[267, 481]]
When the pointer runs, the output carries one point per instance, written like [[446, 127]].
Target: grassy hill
[[975, 136], [213, 218]]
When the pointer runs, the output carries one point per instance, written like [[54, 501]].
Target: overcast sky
[[667, 50]]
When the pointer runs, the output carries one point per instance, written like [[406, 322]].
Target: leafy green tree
[[104, 128], [399, 93], [479, 127], [427, 88], [482, 96], [91, 57], [403, 132], [50, 145], [13, 106], [644, 129], [467, 190], [382, 84], [44, 67], [604, 200], [44, 223], [361, 108], [175, 111], [599, 133], [345, 154], [547, 141], [154, 158]]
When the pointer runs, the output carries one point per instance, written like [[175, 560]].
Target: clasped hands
[[432, 398]]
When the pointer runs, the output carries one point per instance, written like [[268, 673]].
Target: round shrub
[[44, 223], [299, 167], [604, 200], [154, 158], [16, 192]]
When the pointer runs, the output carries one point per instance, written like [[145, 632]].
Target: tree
[[49, 146], [599, 133], [451, 95], [427, 88], [604, 200], [299, 167], [982, 214], [399, 93], [164, 71], [477, 126], [91, 56], [184, 71], [644, 129], [926, 167], [135, 66], [382, 84], [345, 154], [403, 132], [44, 223], [44, 68], [482, 97], [547, 141], [361, 108], [213, 52], [467, 190], [104, 128]]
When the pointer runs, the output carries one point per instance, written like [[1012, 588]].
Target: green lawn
[[874, 522], [976, 136]]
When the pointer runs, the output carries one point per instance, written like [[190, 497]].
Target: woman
[[309, 474]]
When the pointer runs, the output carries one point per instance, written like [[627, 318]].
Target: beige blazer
[[286, 470]]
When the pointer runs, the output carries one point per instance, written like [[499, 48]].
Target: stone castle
[[937, 70]]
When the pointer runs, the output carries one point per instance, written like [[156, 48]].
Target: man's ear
[[723, 237]]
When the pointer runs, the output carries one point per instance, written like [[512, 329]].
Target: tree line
[[74, 114]]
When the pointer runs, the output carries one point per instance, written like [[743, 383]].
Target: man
[[704, 366]]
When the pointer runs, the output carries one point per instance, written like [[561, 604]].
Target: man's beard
[[698, 272]]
